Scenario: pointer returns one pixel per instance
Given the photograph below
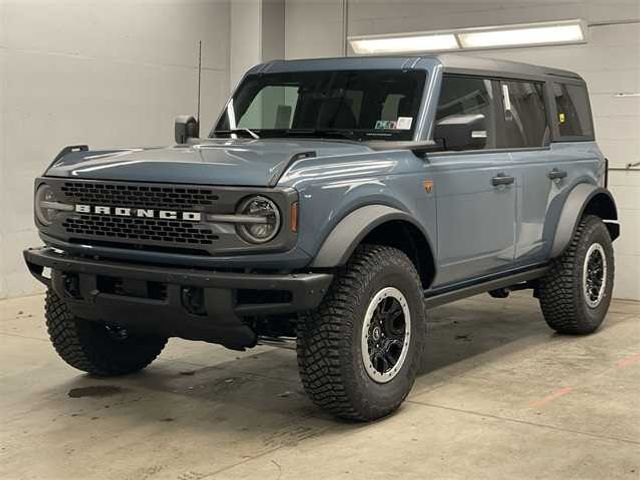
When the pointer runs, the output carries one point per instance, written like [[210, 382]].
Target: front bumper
[[157, 299]]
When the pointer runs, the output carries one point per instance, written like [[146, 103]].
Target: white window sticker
[[386, 125], [506, 97], [404, 123]]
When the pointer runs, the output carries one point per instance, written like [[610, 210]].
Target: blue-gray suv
[[332, 204]]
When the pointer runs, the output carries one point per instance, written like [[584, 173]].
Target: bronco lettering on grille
[[139, 212]]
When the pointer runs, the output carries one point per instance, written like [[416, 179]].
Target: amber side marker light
[[293, 222], [428, 185]]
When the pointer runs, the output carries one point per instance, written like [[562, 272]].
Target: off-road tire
[[90, 347], [561, 291], [329, 339]]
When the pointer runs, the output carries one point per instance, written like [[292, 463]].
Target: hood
[[240, 162]]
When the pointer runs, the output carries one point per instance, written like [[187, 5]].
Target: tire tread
[[560, 298], [323, 342], [74, 342]]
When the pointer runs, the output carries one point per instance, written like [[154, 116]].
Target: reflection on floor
[[500, 396]]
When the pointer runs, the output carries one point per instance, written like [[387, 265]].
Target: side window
[[525, 118], [573, 112], [466, 114]]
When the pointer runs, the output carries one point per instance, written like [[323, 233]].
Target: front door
[[476, 209], [474, 183]]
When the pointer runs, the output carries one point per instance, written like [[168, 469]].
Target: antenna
[[199, 76]]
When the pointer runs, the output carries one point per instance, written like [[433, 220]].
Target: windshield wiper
[[247, 131], [348, 134], [312, 132], [286, 132]]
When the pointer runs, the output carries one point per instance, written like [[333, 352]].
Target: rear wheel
[[576, 293], [359, 353], [97, 348]]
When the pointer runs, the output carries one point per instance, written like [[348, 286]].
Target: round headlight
[[266, 222], [44, 196]]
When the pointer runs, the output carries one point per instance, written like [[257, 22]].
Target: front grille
[[140, 229], [142, 196], [146, 231]]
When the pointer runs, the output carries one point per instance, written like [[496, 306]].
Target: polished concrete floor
[[500, 397]]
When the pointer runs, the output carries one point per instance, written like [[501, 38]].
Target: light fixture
[[505, 36], [521, 35], [411, 43]]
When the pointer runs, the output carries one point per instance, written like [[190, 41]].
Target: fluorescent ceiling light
[[416, 43], [545, 33], [516, 37]]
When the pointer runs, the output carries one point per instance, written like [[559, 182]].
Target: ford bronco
[[332, 204]]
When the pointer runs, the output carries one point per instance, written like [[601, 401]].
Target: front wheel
[[576, 292], [97, 348], [359, 353]]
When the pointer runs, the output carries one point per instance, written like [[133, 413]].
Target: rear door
[[575, 156], [527, 135], [475, 184], [544, 170]]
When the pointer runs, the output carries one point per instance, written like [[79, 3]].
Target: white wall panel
[[3, 208], [313, 29], [245, 38], [626, 189], [108, 73], [627, 281], [257, 35], [133, 31]]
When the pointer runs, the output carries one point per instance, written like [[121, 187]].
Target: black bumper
[[157, 299]]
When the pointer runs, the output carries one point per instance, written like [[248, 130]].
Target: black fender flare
[[584, 198], [353, 228]]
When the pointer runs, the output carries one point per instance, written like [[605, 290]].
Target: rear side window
[[525, 118], [573, 112]]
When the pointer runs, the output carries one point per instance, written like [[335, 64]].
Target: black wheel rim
[[594, 275], [385, 335]]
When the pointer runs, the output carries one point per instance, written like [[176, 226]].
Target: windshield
[[357, 105]]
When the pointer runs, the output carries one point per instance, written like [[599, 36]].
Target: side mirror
[[186, 127], [462, 132]]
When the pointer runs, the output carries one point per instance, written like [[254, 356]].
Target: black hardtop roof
[[450, 62]]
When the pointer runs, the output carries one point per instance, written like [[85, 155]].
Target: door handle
[[502, 179], [556, 174]]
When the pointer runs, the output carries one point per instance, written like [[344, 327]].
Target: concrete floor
[[500, 396]]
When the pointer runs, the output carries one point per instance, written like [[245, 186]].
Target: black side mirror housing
[[422, 149], [462, 132], [186, 127]]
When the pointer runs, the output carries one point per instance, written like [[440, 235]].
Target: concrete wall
[[610, 62], [100, 72], [314, 28], [245, 38], [257, 35], [272, 29]]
